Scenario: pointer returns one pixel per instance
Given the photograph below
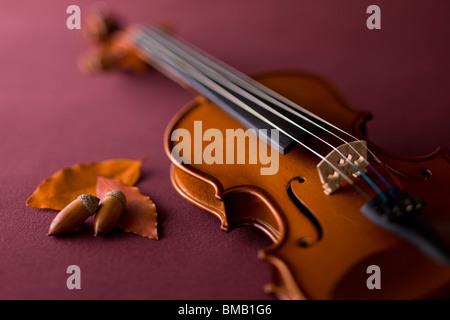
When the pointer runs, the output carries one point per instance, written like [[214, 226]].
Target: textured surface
[[118, 195], [52, 116], [90, 202]]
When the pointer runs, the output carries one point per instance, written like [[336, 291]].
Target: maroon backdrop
[[52, 116]]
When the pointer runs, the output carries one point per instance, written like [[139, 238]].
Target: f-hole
[[304, 242]]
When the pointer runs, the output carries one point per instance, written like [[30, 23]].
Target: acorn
[[109, 212], [73, 215]]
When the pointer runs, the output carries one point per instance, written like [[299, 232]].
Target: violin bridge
[[356, 156]]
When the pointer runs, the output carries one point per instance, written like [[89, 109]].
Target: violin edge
[[361, 119]]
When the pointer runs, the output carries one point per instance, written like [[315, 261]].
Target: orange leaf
[[139, 215], [66, 185]]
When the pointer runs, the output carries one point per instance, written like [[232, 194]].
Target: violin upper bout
[[243, 205]]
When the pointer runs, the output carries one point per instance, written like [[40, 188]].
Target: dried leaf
[[139, 215], [66, 185]]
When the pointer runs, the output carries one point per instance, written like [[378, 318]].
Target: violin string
[[220, 79], [197, 76], [258, 89], [249, 84], [393, 177], [193, 72]]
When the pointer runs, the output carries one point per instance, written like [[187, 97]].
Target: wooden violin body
[[345, 243], [323, 246]]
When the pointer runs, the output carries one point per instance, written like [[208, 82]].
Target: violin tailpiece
[[401, 214]]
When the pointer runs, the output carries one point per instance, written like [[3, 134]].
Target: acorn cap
[[90, 202], [118, 195]]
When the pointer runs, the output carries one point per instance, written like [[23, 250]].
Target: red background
[[52, 116]]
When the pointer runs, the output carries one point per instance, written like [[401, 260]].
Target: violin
[[285, 153]]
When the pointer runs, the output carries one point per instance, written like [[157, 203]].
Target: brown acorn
[[73, 215], [110, 211]]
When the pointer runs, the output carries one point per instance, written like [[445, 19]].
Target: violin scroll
[[110, 47]]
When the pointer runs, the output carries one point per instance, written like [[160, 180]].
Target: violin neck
[[258, 107], [249, 102]]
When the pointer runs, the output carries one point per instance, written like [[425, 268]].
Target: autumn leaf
[[139, 215], [67, 184]]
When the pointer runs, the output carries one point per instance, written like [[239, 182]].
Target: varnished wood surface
[[335, 267]]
